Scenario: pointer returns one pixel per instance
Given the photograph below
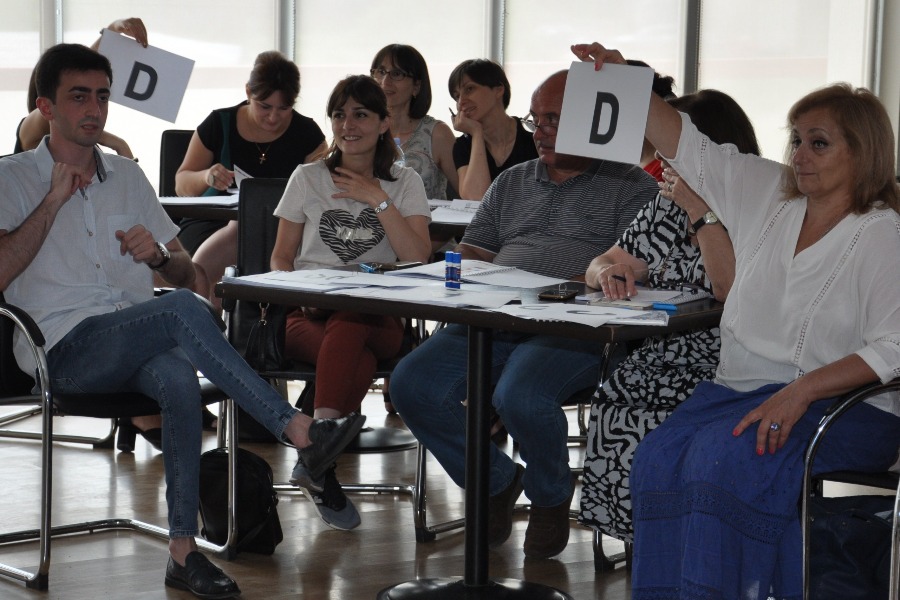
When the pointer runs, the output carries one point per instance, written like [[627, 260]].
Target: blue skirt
[[712, 519]]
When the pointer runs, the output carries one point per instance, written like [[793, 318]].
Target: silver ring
[[774, 427]]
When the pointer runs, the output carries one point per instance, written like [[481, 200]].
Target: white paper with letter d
[[604, 113], [150, 80]]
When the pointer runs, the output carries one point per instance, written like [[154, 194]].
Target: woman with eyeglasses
[[492, 141], [813, 313], [427, 143], [673, 241]]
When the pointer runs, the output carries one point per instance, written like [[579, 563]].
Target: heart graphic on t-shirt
[[349, 237]]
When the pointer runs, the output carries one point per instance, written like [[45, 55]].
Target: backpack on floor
[[258, 526]]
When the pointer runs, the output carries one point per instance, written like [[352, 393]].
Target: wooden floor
[[314, 561]]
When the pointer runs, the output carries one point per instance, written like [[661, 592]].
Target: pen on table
[[664, 306], [369, 267]]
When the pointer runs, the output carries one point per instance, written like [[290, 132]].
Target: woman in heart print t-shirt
[[353, 206]]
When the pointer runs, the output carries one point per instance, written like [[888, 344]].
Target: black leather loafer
[[329, 437], [201, 578]]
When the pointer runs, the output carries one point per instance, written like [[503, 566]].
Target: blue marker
[[664, 306]]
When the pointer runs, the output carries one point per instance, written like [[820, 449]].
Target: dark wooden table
[[475, 584], [199, 211]]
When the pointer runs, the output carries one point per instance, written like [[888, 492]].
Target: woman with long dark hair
[[353, 206]]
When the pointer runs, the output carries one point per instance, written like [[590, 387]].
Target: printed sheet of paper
[[604, 113], [594, 316], [149, 80]]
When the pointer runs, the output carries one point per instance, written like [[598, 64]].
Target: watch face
[[710, 218]]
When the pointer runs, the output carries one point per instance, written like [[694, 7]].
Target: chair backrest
[[13, 381], [257, 225], [172, 148], [257, 228]]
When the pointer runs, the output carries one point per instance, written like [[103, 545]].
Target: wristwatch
[[382, 206], [165, 257], [709, 218]]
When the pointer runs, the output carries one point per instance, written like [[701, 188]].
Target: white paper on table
[[150, 80], [297, 280], [604, 113], [594, 316], [322, 279], [457, 212], [642, 294], [479, 271]]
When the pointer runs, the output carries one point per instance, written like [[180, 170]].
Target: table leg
[[475, 585]]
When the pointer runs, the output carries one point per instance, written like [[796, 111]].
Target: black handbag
[[265, 341], [850, 551], [258, 525]]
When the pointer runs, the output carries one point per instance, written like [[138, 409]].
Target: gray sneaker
[[328, 439], [326, 494]]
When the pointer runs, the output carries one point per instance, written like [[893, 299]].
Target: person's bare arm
[[475, 177], [287, 242], [116, 144], [442, 140], [715, 245], [787, 405], [132, 26], [474, 253], [19, 246], [408, 236], [197, 171], [139, 243], [33, 130], [616, 272]]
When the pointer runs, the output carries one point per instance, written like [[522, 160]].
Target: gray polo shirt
[[79, 271], [553, 229]]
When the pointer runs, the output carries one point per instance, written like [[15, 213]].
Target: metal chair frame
[[47, 404], [811, 484]]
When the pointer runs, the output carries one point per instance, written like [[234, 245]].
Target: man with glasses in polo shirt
[[550, 216]]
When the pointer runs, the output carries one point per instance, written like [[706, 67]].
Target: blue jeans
[[156, 348], [533, 376]]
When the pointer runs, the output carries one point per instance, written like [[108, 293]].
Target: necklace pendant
[[262, 158]]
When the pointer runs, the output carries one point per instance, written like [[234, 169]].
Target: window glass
[[19, 50], [445, 33], [223, 37], [769, 53], [538, 38]]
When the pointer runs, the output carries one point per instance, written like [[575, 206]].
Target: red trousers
[[345, 348]]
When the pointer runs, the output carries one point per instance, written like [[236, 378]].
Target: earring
[[381, 137], [412, 99]]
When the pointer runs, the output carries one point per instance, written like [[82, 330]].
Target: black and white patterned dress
[[652, 380]]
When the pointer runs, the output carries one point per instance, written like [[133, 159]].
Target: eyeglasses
[[548, 128], [395, 74]]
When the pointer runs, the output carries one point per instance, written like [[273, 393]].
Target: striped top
[[552, 229]]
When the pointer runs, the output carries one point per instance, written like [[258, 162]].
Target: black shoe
[[328, 439], [128, 433], [500, 510], [201, 578]]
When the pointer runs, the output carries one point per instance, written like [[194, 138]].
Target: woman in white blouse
[[814, 312]]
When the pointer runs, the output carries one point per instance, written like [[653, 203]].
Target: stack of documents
[[425, 284]]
